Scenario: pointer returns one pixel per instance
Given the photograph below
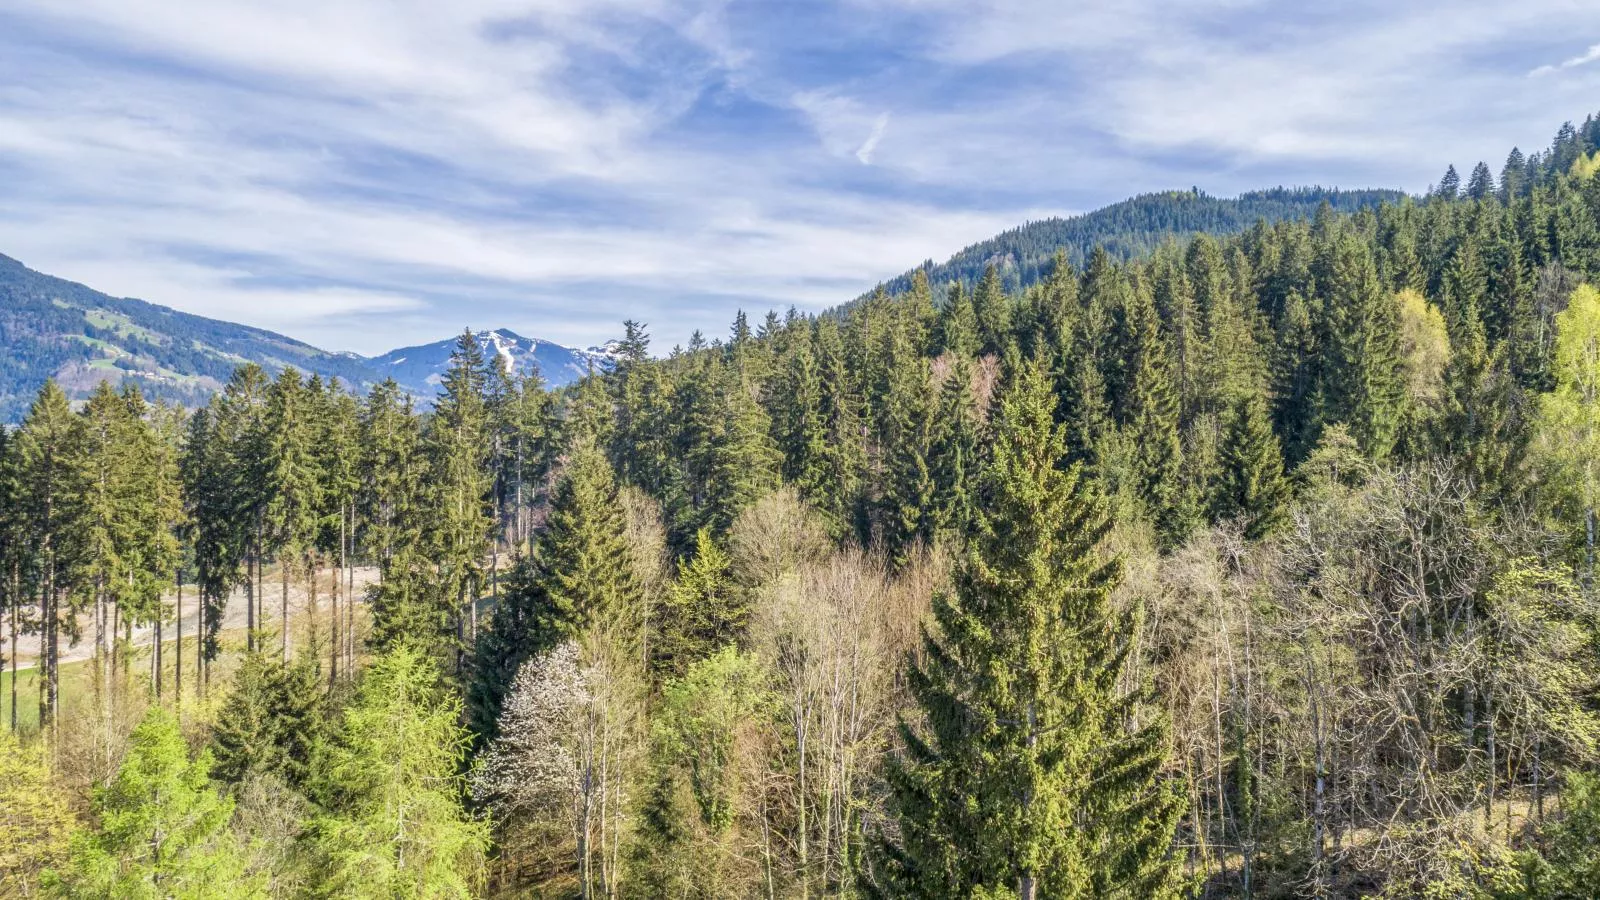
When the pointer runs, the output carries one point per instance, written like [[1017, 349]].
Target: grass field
[[77, 680]]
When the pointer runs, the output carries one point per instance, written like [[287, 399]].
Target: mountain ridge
[[52, 327]]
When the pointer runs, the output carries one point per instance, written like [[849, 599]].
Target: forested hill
[[1130, 229], [54, 328], [51, 327]]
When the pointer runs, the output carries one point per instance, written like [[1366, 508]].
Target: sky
[[368, 174]]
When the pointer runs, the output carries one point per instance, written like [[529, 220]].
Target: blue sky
[[365, 174]]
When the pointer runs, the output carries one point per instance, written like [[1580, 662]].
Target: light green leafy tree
[[162, 828], [392, 784]]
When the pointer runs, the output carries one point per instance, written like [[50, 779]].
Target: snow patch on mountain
[[420, 370]]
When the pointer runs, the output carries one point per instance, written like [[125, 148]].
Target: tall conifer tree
[[1028, 778]]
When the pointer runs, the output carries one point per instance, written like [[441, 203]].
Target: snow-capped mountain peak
[[421, 369]]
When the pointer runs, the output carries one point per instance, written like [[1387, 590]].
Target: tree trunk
[[251, 567], [283, 619], [155, 658], [312, 571], [335, 640], [16, 607], [177, 659]]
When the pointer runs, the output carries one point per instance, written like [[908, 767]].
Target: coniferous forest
[[1257, 565]]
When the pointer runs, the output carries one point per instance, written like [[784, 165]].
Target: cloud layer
[[366, 174]]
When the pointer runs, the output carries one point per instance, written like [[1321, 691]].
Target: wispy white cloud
[[868, 146], [366, 173], [1592, 55]]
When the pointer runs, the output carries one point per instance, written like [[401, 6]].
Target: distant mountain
[[1130, 229], [51, 327], [421, 369]]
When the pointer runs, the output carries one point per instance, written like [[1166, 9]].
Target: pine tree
[[1513, 176], [163, 827], [1027, 778], [1152, 426], [953, 454], [798, 425], [1366, 373], [458, 452], [907, 513], [958, 325], [702, 612], [1449, 184], [47, 448], [1480, 184], [841, 409], [105, 462], [293, 482], [213, 534], [1253, 488], [993, 311], [743, 461], [581, 567], [272, 722]]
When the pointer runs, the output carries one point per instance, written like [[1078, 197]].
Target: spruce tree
[[958, 325], [293, 481], [1026, 776], [702, 612], [799, 425], [953, 455], [458, 451], [1366, 381], [581, 567], [272, 722], [743, 460], [50, 481], [841, 407], [1253, 487], [1449, 184], [992, 308], [1152, 426], [1480, 184]]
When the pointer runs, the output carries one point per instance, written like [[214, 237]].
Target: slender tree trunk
[[177, 659], [102, 658], [283, 619], [16, 607], [335, 640], [312, 571], [200, 663], [250, 568], [50, 688], [350, 593], [156, 658]]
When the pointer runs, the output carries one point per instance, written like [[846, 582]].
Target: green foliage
[[1566, 866], [36, 824], [272, 723], [1253, 488], [162, 828], [1570, 415], [391, 785], [1024, 771], [702, 612], [581, 569]]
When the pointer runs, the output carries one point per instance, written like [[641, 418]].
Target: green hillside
[[1130, 229], [53, 327]]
